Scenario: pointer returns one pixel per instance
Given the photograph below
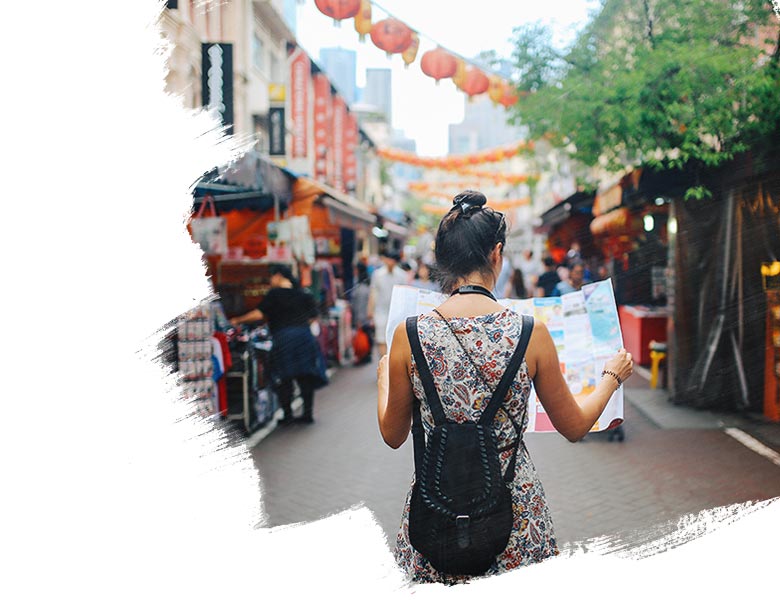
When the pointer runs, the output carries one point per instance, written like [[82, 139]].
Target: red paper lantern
[[338, 9], [509, 96], [391, 35], [475, 82], [438, 64]]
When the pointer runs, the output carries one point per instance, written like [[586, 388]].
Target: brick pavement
[[594, 487]]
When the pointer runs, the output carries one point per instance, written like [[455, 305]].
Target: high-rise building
[[340, 65], [484, 124], [379, 90]]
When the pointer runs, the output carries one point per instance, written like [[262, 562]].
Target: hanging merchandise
[[410, 53], [209, 232], [363, 19], [338, 9], [391, 35], [439, 64]]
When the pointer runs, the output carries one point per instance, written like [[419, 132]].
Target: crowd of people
[[525, 277]]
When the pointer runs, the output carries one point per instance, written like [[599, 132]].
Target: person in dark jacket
[[545, 284], [295, 355]]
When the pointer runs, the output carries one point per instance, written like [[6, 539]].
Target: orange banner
[[455, 162], [323, 108], [300, 76]]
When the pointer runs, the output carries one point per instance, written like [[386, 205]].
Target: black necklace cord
[[474, 289]]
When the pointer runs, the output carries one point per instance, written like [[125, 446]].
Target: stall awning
[[343, 210], [579, 202], [617, 222], [252, 181]]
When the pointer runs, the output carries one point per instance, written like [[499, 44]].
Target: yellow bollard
[[657, 354]]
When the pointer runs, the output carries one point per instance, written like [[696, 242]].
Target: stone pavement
[[668, 466]]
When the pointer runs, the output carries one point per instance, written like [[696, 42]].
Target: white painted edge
[[752, 443]]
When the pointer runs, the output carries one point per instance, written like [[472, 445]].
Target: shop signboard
[[300, 77], [276, 131], [339, 124], [217, 81], [350, 146], [322, 122]]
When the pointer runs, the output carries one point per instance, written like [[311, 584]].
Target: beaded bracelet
[[615, 375]]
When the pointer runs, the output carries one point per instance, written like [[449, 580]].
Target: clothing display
[[490, 340]]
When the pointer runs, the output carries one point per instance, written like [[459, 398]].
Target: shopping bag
[[210, 233], [361, 345]]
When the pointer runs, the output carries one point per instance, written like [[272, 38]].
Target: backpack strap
[[499, 394], [418, 432], [425, 373]]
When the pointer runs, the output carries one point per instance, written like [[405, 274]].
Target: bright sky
[[422, 109]]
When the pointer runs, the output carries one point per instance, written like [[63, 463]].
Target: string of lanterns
[[425, 187], [500, 205], [395, 37], [461, 163]]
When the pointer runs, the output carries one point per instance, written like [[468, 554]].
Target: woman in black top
[[295, 355]]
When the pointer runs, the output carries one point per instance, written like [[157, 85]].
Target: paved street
[[594, 488]]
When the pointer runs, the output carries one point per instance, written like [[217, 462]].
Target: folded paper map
[[584, 326]]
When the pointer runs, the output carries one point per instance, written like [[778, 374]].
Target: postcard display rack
[[193, 339]]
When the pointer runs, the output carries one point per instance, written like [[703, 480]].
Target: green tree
[[659, 82]]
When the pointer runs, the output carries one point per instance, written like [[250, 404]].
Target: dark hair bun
[[469, 201]]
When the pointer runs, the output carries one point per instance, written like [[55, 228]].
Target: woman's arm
[[251, 316], [394, 390], [571, 417]]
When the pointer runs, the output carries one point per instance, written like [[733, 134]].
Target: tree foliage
[[660, 82]]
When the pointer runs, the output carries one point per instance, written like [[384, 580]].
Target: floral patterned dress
[[490, 340]]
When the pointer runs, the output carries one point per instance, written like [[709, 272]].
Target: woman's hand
[[622, 364]]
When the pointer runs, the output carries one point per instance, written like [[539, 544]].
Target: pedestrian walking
[[422, 278], [363, 334], [295, 355], [515, 288], [466, 343], [531, 268], [574, 282], [545, 284], [382, 282]]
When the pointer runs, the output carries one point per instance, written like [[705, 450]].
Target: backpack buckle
[[462, 531]]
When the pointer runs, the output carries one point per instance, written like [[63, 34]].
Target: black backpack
[[460, 514]]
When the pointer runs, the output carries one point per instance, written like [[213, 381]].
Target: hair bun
[[469, 201]]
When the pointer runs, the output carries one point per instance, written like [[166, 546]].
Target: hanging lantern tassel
[[411, 52], [363, 19]]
